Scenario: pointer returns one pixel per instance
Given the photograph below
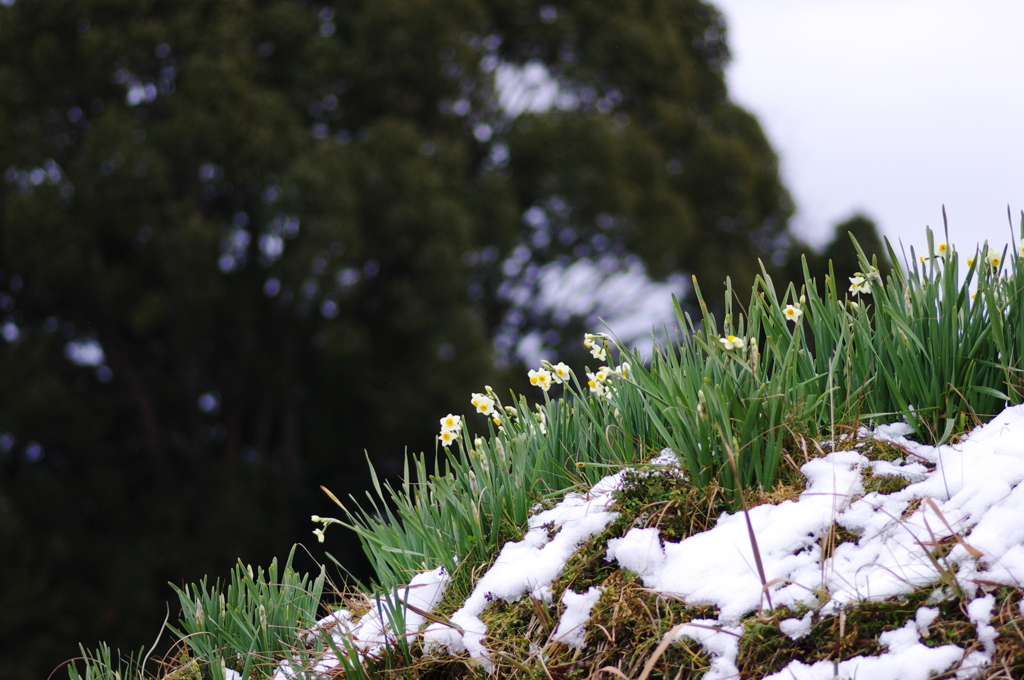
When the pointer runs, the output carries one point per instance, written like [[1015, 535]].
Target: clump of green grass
[[920, 346], [103, 664], [253, 621], [467, 506]]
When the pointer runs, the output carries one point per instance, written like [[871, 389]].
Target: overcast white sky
[[890, 107]]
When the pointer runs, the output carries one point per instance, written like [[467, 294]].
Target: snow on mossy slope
[[919, 581]]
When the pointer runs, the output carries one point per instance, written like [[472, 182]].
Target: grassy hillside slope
[[749, 407]]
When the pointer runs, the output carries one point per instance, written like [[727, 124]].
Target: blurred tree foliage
[[841, 253], [244, 241]]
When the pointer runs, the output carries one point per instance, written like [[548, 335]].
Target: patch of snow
[[924, 618], [798, 628], [572, 624], [374, 629], [906, 659], [666, 458], [915, 472], [527, 566], [640, 551], [973, 664], [980, 613], [718, 567], [721, 642]]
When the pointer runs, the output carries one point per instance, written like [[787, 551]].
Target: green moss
[[447, 667], [516, 630], [1009, 621], [460, 585], [588, 566], [765, 649], [884, 484], [877, 449], [628, 623], [185, 668], [667, 500], [836, 536]]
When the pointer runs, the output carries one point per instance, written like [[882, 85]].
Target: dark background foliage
[[247, 244]]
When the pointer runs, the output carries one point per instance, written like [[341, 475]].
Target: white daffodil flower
[[540, 378], [483, 403], [596, 343], [793, 313], [731, 342], [560, 373], [858, 285], [447, 437], [451, 423]]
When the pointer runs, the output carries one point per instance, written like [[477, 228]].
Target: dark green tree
[[244, 241], [641, 154], [841, 253]]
